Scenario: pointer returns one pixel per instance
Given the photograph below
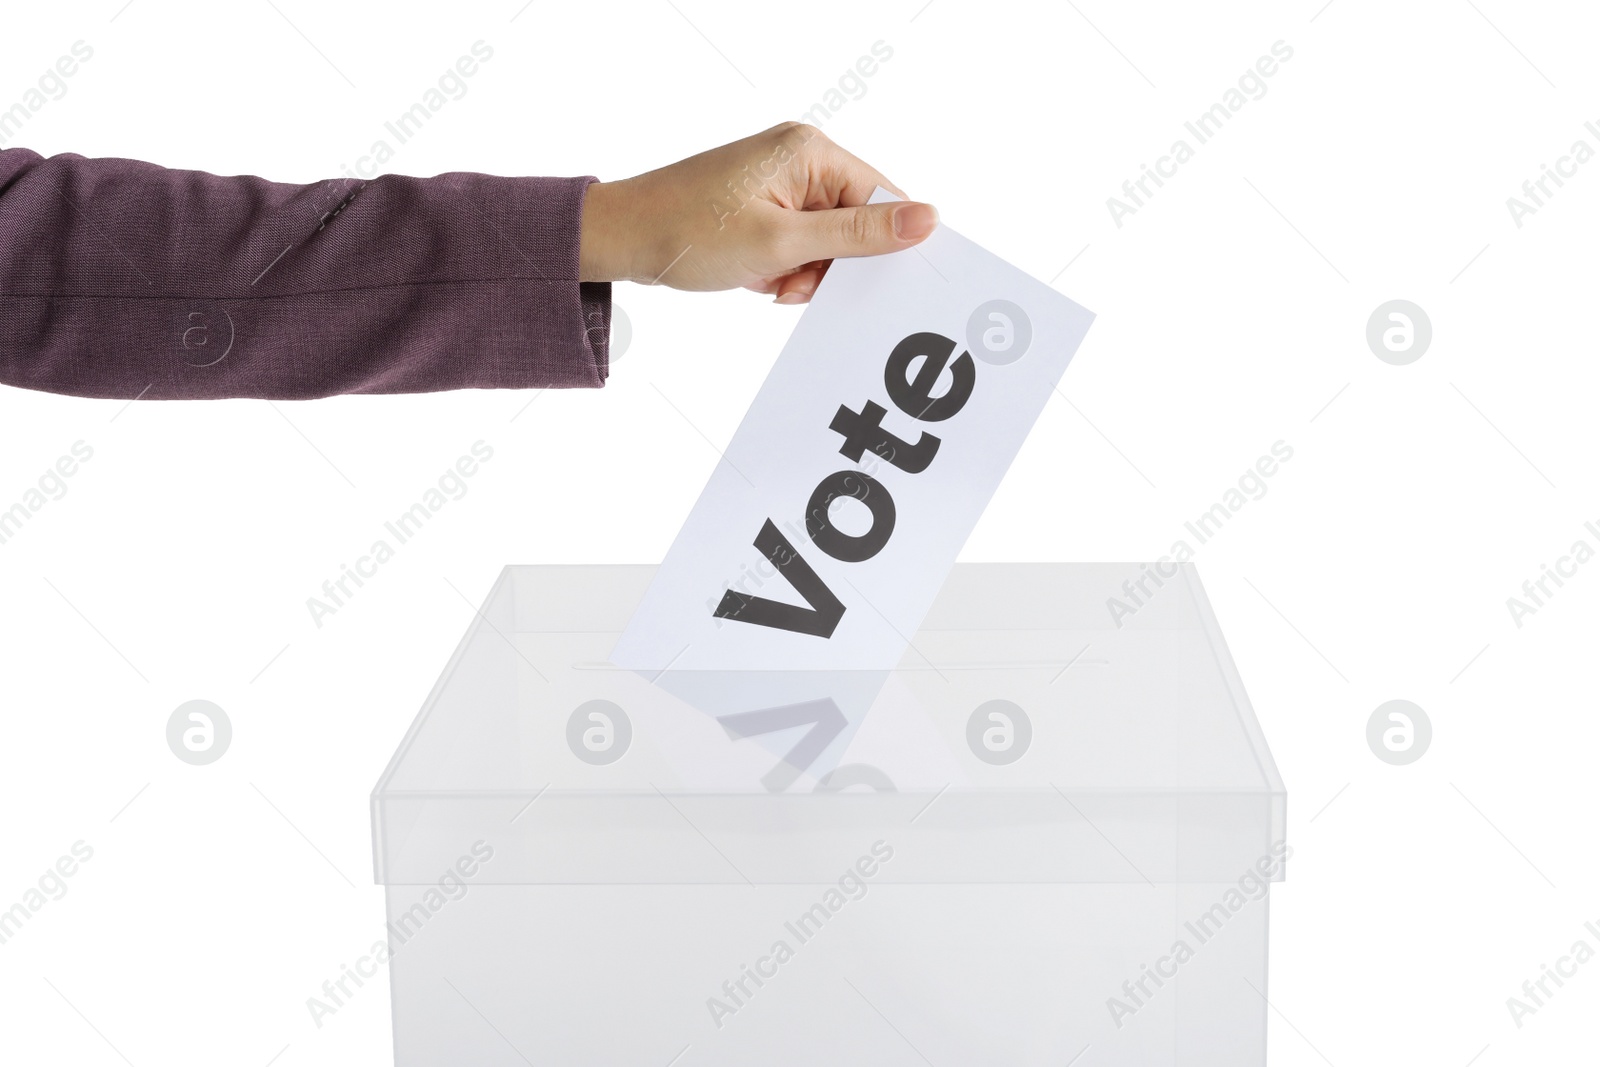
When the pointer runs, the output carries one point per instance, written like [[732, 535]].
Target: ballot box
[[1049, 839]]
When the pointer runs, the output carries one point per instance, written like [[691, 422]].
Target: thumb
[[869, 230]]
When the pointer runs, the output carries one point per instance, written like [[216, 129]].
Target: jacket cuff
[[560, 337]]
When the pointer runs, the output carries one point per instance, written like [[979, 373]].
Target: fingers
[[799, 287], [869, 230], [792, 287], [845, 180], [824, 214], [833, 176]]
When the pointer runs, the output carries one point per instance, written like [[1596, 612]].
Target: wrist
[[602, 240]]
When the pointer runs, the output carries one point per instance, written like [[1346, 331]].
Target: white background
[[1232, 313]]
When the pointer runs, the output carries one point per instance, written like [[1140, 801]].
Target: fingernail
[[794, 296], [915, 221]]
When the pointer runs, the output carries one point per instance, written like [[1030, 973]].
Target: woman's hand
[[768, 213]]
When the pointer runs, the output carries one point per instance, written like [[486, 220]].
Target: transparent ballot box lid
[[1048, 723]]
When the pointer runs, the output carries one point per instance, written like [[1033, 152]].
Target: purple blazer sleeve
[[122, 279]]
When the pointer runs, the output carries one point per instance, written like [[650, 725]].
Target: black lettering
[[915, 397], [841, 546], [863, 431], [825, 610]]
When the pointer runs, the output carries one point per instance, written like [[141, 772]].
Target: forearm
[[122, 279]]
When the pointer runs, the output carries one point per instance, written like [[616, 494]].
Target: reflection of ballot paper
[[860, 469]]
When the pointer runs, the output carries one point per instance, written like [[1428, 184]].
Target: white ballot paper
[[859, 471]]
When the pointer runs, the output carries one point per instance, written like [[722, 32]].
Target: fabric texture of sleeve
[[121, 279]]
